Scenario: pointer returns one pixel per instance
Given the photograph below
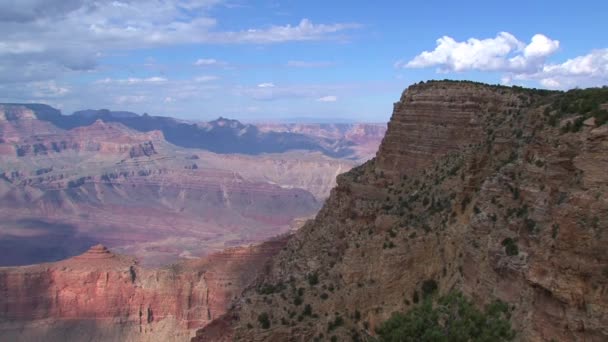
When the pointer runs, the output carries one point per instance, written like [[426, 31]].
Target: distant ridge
[[219, 136]]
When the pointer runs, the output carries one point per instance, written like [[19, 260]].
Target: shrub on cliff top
[[452, 318]]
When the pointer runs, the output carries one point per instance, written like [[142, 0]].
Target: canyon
[[182, 230], [62, 191], [496, 192]]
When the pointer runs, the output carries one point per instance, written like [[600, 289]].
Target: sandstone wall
[[100, 296], [465, 169]]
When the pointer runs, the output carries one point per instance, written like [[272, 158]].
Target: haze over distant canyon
[[158, 188]]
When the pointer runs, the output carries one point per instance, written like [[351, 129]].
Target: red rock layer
[[100, 285]]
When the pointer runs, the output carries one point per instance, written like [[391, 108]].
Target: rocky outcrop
[[100, 296], [483, 189], [24, 135]]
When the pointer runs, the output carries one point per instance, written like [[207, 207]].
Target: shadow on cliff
[[63, 330], [32, 241]]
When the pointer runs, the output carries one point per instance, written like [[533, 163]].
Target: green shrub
[[264, 320], [510, 247], [530, 225], [601, 117], [266, 289], [429, 287], [451, 318], [313, 279], [307, 310], [338, 321]]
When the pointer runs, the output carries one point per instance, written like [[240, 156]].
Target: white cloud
[[582, 71], [266, 85], [42, 39], [550, 83], [517, 60], [304, 31], [502, 53], [540, 46], [592, 64], [329, 98], [133, 80]]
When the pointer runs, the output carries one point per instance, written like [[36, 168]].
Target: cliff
[[102, 296], [494, 191]]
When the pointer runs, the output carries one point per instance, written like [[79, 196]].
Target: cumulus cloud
[[502, 53], [582, 71], [515, 59], [329, 98]]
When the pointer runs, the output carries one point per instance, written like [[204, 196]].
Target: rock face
[[102, 296], [484, 189], [363, 138]]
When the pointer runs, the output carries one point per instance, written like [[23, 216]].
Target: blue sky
[[277, 60]]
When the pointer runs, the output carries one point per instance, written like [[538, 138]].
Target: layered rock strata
[[100, 296], [483, 189]]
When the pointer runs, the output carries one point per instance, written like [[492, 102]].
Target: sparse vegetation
[[510, 247], [580, 103], [266, 289], [337, 322], [452, 318], [264, 320], [429, 287], [313, 279]]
